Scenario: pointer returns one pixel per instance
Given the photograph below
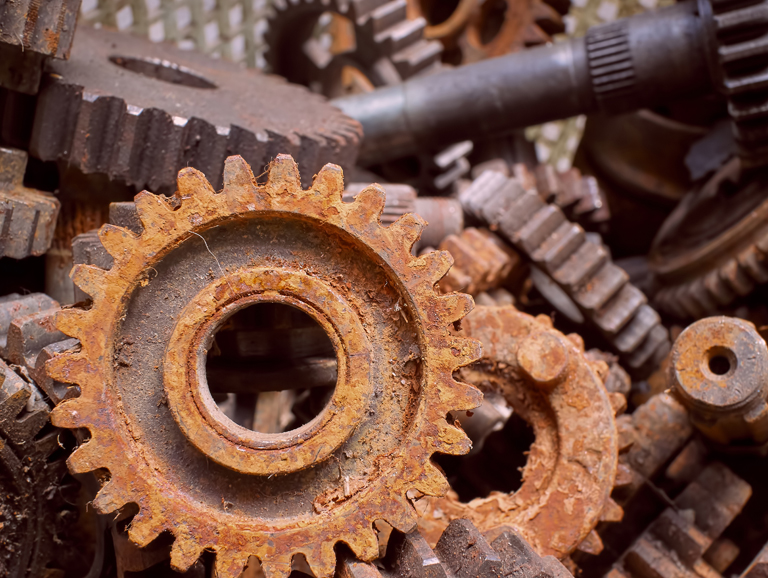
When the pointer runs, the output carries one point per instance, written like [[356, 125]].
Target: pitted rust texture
[[166, 445], [481, 261], [571, 467], [138, 112], [27, 216], [676, 542], [719, 370]]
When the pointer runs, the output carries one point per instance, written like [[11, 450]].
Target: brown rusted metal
[[718, 369], [171, 451], [27, 216], [571, 468]]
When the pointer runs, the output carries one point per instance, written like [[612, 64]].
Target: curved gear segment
[[546, 379], [154, 424]]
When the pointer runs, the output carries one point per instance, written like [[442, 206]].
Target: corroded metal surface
[[571, 467], [138, 112], [718, 369], [169, 449], [27, 216]]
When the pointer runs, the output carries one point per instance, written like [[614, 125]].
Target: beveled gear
[[154, 425]]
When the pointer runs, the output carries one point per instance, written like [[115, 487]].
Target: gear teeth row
[[709, 294], [461, 552], [145, 229], [27, 216], [675, 543], [125, 125], [580, 267]]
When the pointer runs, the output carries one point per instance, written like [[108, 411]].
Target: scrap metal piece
[[718, 369], [675, 543], [30, 32], [138, 112], [713, 247], [166, 444], [571, 467], [481, 261], [27, 216], [30, 476], [385, 48], [581, 276]]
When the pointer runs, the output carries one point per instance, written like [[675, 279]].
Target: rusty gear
[[167, 446], [137, 112], [571, 467], [387, 47], [579, 272], [713, 248]]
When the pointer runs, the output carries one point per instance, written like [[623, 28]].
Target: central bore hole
[[271, 368], [719, 365], [162, 70], [438, 11]]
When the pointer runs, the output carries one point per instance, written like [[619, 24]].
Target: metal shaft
[[636, 62]]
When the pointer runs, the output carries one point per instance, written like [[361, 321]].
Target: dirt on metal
[[154, 425]]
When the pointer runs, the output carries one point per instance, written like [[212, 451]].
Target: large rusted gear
[[136, 112], [571, 466], [153, 422], [387, 46]]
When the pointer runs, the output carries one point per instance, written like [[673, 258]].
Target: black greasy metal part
[[737, 38], [138, 112], [579, 267], [654, 58]]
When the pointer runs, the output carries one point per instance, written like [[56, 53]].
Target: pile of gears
[[335, 318]]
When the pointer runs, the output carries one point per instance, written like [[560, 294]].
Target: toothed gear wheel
[[575, 273], [154, 425], [386, 48], [29, 479], [713, 248], [570, 471], [137, 112]]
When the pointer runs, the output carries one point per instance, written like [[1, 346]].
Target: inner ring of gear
[[221, 245], [239, 448]]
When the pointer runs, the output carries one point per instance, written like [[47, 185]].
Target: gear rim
[[234, 539]]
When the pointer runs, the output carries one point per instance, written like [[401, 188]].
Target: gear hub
[[155, 426]]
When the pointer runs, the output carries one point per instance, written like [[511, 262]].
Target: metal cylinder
[[719, 370], [632, 63]]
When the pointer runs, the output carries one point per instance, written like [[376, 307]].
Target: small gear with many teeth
[[154, 425]]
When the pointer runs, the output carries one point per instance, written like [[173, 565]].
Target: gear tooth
[[67, 414], [432, 481], [612, 512], [119, 243], [84, 459], [460, 396], [68, 368], [72, 321], [185, 551], [592, 544], [154, 211], [145, 528], [323, 560], [110, 498], [90, 279], [192, 183], [406, 231], [366, 546], [329, 183], [238, 175], [369, 203], [464, 351], [283, 175], [452, 440], [433, 266], [453, 307], [230, 564]]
